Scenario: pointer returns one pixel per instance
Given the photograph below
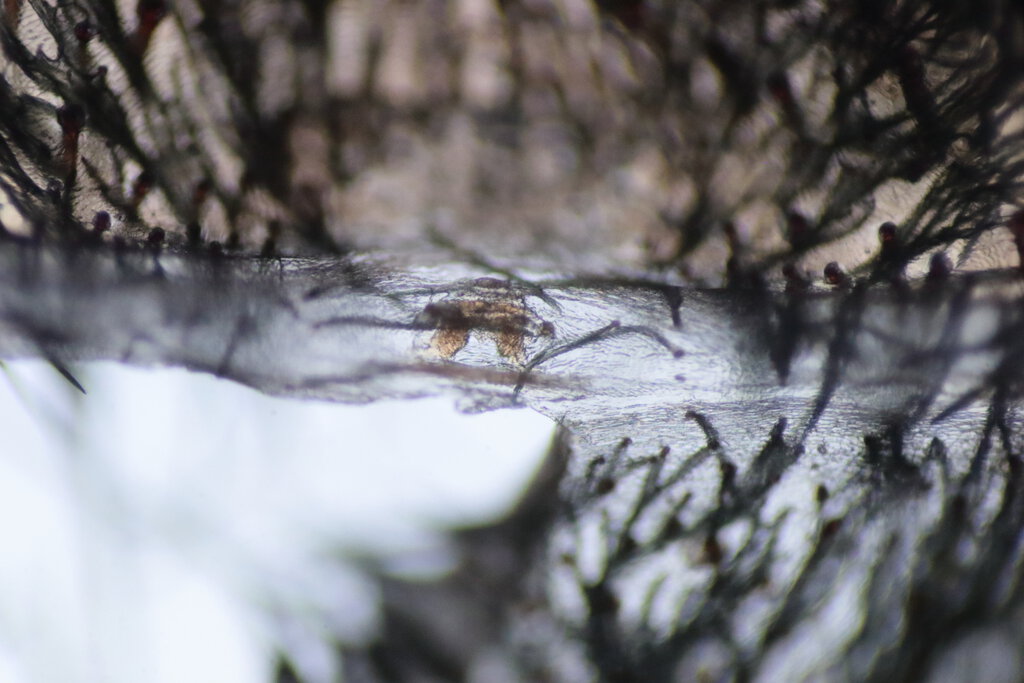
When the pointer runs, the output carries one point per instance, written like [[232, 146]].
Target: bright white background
[[169, 526]]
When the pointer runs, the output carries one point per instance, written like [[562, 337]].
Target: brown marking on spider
[[490, 307]]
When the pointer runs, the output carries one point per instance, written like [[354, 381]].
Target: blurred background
[[169, 526]]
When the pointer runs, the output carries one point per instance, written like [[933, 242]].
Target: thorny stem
[[353, 329]]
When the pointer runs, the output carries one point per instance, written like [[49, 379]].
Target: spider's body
[[490, 307]]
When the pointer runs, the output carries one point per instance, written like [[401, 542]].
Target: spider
[[490, 306]]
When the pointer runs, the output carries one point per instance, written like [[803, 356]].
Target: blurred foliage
[[716, 141]]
